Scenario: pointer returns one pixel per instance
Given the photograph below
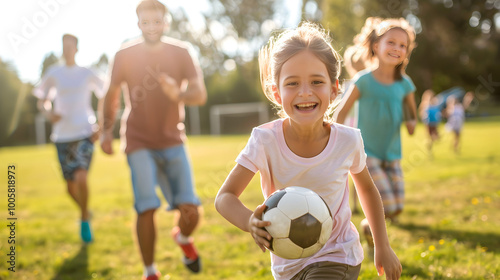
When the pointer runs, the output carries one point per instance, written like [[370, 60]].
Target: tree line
[[457, 45]]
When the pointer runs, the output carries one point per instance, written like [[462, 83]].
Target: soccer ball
[[301, 222]]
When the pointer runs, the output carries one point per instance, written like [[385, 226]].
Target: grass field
[[450, 228]]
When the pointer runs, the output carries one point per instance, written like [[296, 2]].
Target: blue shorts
[[168, 168], [74, 155]]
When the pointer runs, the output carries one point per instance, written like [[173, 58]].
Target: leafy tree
[[102, 64], [230, 30], [458, 41], [227, 42], [13, 105], [49, 60]]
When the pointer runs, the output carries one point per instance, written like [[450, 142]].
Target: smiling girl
[[299, 74], [382, 89]]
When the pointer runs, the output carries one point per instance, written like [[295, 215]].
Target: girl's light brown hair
[[372, 32], [308, 36]]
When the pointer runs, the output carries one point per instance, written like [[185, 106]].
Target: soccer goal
[[236, 110]]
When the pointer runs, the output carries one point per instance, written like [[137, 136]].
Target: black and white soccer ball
[[301, 222]]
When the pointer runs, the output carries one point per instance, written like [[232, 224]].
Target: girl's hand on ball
[[256, 225]]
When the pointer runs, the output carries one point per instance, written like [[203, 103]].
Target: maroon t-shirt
[[150, 119]]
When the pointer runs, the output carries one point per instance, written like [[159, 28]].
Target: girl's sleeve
[[250, 156], [409, 85], [358, 82], [359, 155]]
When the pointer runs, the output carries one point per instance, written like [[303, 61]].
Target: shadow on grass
[[469, 238], [74, 268]]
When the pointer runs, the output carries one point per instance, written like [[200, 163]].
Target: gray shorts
[[328, 271]]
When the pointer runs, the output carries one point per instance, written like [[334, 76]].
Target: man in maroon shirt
[[159, 77]]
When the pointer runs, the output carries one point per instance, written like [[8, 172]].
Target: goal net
[[232, 118]]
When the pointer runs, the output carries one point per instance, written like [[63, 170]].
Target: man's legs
[[143, 171], [187, 218], [146, 235], [78, 190], [75, 158], [176, 182]]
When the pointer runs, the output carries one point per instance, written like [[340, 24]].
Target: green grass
[[450, 228]]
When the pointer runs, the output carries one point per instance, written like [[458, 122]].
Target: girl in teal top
[[381, 114], [382, 89]]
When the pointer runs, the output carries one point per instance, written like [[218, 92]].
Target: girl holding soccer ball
[[299, 74]]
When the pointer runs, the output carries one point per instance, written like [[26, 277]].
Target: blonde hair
[[372, 32], [308, 36]]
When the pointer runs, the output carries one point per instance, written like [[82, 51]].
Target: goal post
[[218, 111]]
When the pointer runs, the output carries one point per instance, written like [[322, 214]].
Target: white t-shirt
[[326, 174], [71, 88]]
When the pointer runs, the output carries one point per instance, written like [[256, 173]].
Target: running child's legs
[[456, 142], [433, 132], [433, 135], [388, 179], [395, 174]]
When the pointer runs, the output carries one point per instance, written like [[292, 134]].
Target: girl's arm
[[385, 258], [468, 97], [409, 103], [230, 207], [345, 105], [424, 105]]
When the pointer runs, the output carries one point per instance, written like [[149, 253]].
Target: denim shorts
[[74, 155], [169, 169]]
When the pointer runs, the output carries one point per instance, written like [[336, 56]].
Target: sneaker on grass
[[191, 258]]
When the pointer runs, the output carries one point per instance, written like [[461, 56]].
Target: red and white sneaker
[[191, 258], [152, 276]]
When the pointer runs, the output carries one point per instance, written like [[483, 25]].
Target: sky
[[31, 29]]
